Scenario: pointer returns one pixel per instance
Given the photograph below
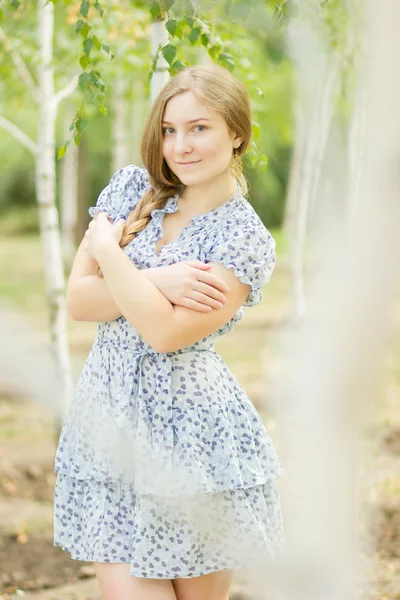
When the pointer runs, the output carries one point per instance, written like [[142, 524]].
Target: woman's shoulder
[[125, 188], [136, 180], [244, 223], [131, 175]]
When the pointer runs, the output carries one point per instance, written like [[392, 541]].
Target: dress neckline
[[196, 222], [171, 206]]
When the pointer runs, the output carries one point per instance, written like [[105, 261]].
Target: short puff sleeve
[[250, 250], [125, 188]]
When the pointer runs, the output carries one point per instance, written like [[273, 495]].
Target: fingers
[[209, 301], [214, 285], [212, 280], [193, 305]]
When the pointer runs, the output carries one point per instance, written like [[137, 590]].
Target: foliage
[[107, 38]]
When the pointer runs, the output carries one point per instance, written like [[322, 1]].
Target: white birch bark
[[294, 175], [69, 197], [137, 121], [43, 151], [119, 129], [46, 193], [356, 151], [159, 35], [314, 114], [333, 361]]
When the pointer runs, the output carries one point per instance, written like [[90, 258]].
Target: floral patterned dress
[[163, 462]]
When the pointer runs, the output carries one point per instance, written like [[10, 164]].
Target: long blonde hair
[[217, 88]]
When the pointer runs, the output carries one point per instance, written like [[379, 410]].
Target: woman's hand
[[101, 232], [190, 285]]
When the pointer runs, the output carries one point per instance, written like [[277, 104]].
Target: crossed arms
[[133, 293]]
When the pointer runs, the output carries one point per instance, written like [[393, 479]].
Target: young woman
[[166, 473]]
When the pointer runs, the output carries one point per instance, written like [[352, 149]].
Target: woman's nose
[[182, 143]]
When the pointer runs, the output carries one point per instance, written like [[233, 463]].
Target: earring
[[236, 166]]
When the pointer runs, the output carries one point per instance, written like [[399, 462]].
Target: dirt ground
[[32, 567]]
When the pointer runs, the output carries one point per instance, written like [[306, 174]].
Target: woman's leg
[[117, 584], [213, 586]]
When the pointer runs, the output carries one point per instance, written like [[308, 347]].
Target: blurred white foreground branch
[[334, 356]]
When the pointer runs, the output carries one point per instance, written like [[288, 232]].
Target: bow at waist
[[139, 382]]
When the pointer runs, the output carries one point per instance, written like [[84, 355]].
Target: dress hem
[[180, 576]]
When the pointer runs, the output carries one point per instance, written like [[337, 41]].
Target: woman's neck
[[198, 199]]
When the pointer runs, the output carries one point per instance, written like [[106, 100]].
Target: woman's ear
[[237, 141]]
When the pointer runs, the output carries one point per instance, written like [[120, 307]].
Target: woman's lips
[[189, 164]]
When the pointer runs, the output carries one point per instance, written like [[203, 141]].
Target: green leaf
[[97, 43], [61, 151], [106, 48], [84, 30], [98, 7], [79, 24], [205, 39], [213, 52], [87, 46], [190, 21], [168, 4], [81, 125], [77, 139], [96, 80], [84, 61], [177, 66], [171, 26], [150, 76], [84, 79], [155, 9], [225, 56], [228, 64], [102, 108], [194, 34], [169, 53], [1, 15], [15, 4], [84, 8]]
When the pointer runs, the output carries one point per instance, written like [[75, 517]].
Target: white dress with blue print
[[163, 462]]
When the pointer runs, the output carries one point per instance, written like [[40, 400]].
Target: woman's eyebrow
[[192, 121]]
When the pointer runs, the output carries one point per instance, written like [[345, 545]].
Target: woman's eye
[[166, 129]]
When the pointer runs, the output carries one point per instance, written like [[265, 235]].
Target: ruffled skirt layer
[[168, 537], [164, 463]]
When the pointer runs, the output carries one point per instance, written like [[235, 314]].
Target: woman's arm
[[88, 297], [163, 326], [188, 285]]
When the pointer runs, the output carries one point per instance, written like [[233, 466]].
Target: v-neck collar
[[224, 209]]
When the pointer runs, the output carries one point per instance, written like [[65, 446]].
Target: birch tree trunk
[[137, 121], [46, 194], [294, 175], [333, 364], [159, 35], [69, 197], [119, 130], [314, 115]]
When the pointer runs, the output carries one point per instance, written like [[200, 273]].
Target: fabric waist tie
[[130, 380]]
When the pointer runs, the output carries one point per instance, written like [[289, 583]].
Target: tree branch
[[21, 68], [19, 135], [67, 91]]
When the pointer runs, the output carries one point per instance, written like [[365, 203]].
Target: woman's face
[[196, 135]]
